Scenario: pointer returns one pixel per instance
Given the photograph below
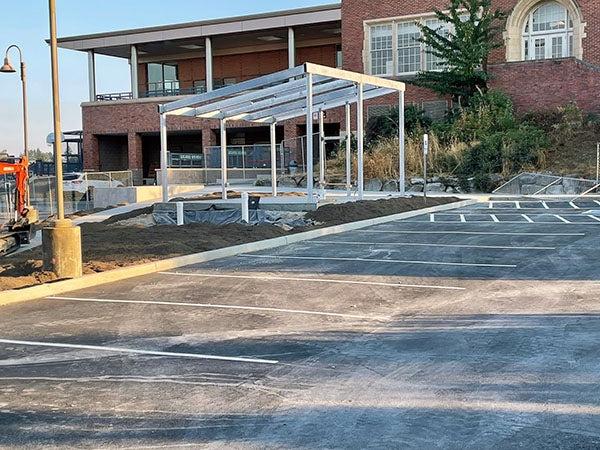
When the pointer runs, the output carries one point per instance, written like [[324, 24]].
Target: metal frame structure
[[302, 91]]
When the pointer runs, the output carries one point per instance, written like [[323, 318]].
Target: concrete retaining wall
[[105, 197]]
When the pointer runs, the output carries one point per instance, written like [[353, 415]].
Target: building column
[[291, 48], [209, 64], [135, 157], [92, 75], [134, 72], [91, 152]]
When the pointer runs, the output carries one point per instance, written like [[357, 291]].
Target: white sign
[[426, 144]]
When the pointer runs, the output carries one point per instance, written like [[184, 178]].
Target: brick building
[[551, 56]]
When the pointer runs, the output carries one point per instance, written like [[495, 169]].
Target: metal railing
[[528, 183], [166, 89]]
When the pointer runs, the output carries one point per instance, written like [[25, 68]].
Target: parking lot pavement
[[458, 331]]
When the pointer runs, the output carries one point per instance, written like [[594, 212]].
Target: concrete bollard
[[180, 217], [245, 211], [61, 248]]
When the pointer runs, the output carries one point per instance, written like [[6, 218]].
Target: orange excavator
[[20, 228]]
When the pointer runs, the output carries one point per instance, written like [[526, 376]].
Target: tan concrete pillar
[[61, 248]]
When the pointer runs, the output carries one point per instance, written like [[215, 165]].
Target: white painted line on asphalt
[[494, 218], [593, 217], [414, 244], [462, 218], [217, 306], [527, 218], [545, 205], [314, 280], [518, 205], [432, 217], [597, 202], [573, 205], [391, 261], [491, 205], [490, 233], [504, 222], [561, 218], [101, 348]]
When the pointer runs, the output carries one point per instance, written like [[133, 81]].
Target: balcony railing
[[167, 89]]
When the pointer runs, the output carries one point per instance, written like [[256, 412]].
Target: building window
[[163, 79], [548, 33], [339, 58], [395, 49]]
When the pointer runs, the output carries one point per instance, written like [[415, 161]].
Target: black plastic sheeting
[[228, 216]]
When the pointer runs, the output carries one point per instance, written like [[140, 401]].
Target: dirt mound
[[334, 214]]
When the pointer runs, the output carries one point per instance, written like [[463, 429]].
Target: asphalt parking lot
[[472, 328]]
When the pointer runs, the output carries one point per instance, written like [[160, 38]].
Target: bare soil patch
[[107, 245]]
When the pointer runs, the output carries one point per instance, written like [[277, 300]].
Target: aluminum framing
[[298, 92]]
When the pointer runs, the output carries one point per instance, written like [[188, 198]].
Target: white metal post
[[245, 209], [223, 159], [180, 216], [209, 64], [134, 72], [309, 135], [273, 160], [401, 141], [348, 151], [321, 151], [360, 132], [92, 75], [598, 163], [164, 170], [291, 48]]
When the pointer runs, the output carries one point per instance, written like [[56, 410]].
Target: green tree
[[469, 32], [39, 155]]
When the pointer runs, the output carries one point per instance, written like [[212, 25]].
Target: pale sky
[[25, 23]]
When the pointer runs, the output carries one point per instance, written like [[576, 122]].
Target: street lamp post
[[61, 242], [9, 68]]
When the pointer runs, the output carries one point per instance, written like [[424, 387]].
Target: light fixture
[[270, 38], [191, 46], [7, 67]]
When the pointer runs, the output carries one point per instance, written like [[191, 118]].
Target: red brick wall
[[247, 65], [355, 12], [543, 85]]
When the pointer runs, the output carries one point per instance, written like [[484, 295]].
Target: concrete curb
[[96, 279]]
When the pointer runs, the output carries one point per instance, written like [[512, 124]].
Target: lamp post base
[[61, 247]]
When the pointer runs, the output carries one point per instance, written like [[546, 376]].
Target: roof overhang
[[113, 43], [283, 95]]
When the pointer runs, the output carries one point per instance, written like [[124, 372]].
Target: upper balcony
[[193, 58]]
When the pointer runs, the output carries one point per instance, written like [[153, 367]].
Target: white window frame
[[394, 22], [530, 37]]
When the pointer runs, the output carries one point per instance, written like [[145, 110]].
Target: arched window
[[548, 33]]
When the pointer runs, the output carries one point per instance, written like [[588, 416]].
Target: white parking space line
[[101, 348], [491, 205], [506, 222], [462, 218], [545, 205], [593, 217], [597, 202], [314, 280], [494, 218], [390, 261], [414, 244], [432, 217], [487, 233], [518, 205], [216, 306], [573, 205], [527, 218]]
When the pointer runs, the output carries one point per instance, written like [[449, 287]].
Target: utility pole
[[61, 242]]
